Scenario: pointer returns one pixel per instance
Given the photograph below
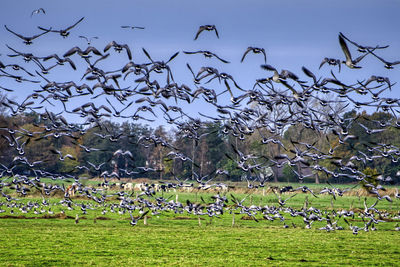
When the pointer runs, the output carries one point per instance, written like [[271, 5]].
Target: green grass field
[[116, 243], [178, 239]]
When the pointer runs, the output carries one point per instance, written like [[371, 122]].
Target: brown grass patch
[[45, 216], [144, 180], [103, 218], [185, 218], [247, 218], [364, 193]]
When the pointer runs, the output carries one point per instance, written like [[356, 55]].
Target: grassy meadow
[[182, 239]]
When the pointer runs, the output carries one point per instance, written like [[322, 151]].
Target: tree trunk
[[275, 178], [193, 150], [316, 178], [277, 169], [201, 163], [161, 166]]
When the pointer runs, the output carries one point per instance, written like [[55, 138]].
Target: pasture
[[171, 238]]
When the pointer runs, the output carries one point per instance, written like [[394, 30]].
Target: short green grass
[[116, 243], [178, 239]]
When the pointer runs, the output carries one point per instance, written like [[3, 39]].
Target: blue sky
[[293, 33]]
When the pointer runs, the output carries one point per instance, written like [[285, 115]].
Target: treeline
[[130, 150]]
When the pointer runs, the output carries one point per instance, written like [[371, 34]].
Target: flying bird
[[331, 61], [132, 27], [63, 32], [207, 54], [363, 48], [83, 53], [389, 65], [38, 11], [88, 39], [119, 48], [349, 62], [206, 28], [62, 158], [255, 50], [134, 220], [27, 40]]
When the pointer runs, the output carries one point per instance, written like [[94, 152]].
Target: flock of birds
[[317, 103]]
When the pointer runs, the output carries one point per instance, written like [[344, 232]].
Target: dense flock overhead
[[146, 91]]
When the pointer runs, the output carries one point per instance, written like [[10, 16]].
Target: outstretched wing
[[16, 34], [345, 49], [245, 53], [201, 28], [70, 27], [223, 60]]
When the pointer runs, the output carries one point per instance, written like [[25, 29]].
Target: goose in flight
[[118, 48], [255, 50], [83, 53], [363, 48], [331, 61], [62, 158], [349, 62], [207, 54], [96, 167], [38, 11], [132, 27], [388, 65], [206, 28], [283, 202], [63, 32], [27, 39], [88, 39], [123, 153], [135, 221]]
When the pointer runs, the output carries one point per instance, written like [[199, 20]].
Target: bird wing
[[55, 151], [323, 62], [223, 60], [72, 51], [345, 49], [84, 37], [309, 74], [290, 197], [172, 57], [265, 55], [128, 51], [111, 44], [70, 157], [228, 88], [216, 32], [144, 214], [71, 63], [92, 49], [201, 28], [245, 53], [147, 54], [47, 30], [190, 53], [268, 67], [360, 58], [16, 34], [70, 27], [354, 43]]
